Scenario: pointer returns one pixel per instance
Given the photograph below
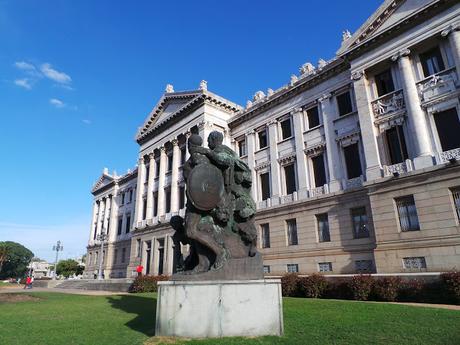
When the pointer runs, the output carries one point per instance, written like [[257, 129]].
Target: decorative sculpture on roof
[[219, 220], [345, 35], [169, 88], [204, 85], [322, 63], [259, 95], [307, 68]]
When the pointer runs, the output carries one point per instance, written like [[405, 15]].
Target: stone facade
[[355, 161]]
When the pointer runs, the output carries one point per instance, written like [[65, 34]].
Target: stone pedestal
[[222, 308]]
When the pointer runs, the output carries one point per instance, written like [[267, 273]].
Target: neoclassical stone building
[[356, 162]]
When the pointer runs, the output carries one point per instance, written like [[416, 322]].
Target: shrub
[[313, 286], [387, 289], [290, 285], [146, 283], [411, 290], [361, 287], [338, 289], [451, 282]]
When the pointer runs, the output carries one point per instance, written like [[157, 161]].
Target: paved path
[[69, 291]]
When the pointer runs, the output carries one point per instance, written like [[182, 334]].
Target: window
[[122, 198], [128, 223], [352, 161], [407, 212], [448, 126], [266, 269], [119, 226], [157, 167], [456, 197], [323, 227], [147, 172], [90, 259], [325, 266], [286, 128], [344, 103], [183, 154], [362, 266], [139, 248], [293, 268], [265, 186], [155, 204], [396, 144], [292, 232], [360, 227], [144, 208], [414, 263], [242, 150], [181, 197], [170, 162], [262, 137], [123, 255], [168, 199], [319, 171], [313, 117], [115, 256], [384, 83], [130, 196], [432, 62], [265, 235], [289, 176]]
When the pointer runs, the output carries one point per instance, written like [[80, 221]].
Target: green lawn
[[129, 319]]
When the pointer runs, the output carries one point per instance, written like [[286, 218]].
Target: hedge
[[145, 283]]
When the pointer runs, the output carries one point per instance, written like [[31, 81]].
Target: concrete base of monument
[[221, 308]]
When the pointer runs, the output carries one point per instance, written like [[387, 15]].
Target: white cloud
[[51, 73], [57, 103], [25, 66], [25, 83], [86, 121]]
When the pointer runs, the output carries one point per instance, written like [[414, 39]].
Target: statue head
[[195, 140], [215, 139]]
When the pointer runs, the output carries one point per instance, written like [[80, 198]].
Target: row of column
[[104, 216]]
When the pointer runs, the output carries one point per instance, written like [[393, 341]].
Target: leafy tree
[[68, 268], [15, 261]]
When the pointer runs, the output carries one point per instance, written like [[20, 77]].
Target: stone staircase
[[114, 285]]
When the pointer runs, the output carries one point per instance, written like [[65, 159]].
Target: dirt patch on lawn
[[17, 297]]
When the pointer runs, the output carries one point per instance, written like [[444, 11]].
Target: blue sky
[[78, 77]]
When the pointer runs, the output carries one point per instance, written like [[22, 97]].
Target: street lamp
[[57, 248], [102, 237]]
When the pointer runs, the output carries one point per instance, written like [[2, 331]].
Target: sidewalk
[[68, 291]]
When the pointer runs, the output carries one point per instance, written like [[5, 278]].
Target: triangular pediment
[[103, 181], [389, 14]]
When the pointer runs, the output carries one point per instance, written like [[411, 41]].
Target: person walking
[[28, 283], [139, 269]]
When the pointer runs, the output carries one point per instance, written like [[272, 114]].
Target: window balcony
[[447, 156], [289, 198], [353, 182], [437, 85], [399, 168], [318, 191], [388, 104]]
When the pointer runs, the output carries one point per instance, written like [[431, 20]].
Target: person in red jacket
[[139, 269], [28, 283]]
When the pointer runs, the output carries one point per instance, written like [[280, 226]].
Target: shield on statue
[[205, 186]]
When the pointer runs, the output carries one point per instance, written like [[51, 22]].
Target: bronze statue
[[219, 220]]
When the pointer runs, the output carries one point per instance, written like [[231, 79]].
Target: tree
[[3, 254], [15, 261], [68, 268]]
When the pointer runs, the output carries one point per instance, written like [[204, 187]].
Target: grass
[[130, 319]]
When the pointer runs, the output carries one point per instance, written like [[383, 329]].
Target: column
[[108, 202], [175, 177], [301, 160], [169, 255], [368, 129], [139, 191], [150, 186], [251, 147], [332, 150], [453, 34], [187, 154], [114, 214], [161, 182], [417, 123], [204, 128], [99, 216], [274, 165], [93, 221]]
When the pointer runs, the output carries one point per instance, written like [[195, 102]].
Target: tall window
[[313, 117], [456, 198], [155, 204], [265, 186], [115, 256], [130, 196], [384, 82], [181, 197], [408, 218], [144, 208], [448, 126], [344, 103], [128, 223], [360, 227], [396, 144], [289, 176], [262, 137], [292, 232], [139, 248], [183, 153], [265, 235], [325, 266], [292, 268], [170, 162], [319, 170], [147, 172], [123, 255], [119, 226], [168, 199], [432, 62], [122, 198], [157, 167], [242, 150], [286, 128], [352, 161], [323, 227]]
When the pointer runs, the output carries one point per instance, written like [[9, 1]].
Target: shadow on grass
[[144, 307]]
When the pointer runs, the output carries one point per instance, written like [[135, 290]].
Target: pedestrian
[[139, 269], [28, 283]]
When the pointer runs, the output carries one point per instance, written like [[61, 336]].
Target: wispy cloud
[[25, 83], [50, 73], [25, 66], [86, 121], [57, 103]]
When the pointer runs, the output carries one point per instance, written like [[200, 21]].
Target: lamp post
[[102, 237], [57, 248]]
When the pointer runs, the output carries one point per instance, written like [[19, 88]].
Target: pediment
[[103, 181], [390, 13]]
